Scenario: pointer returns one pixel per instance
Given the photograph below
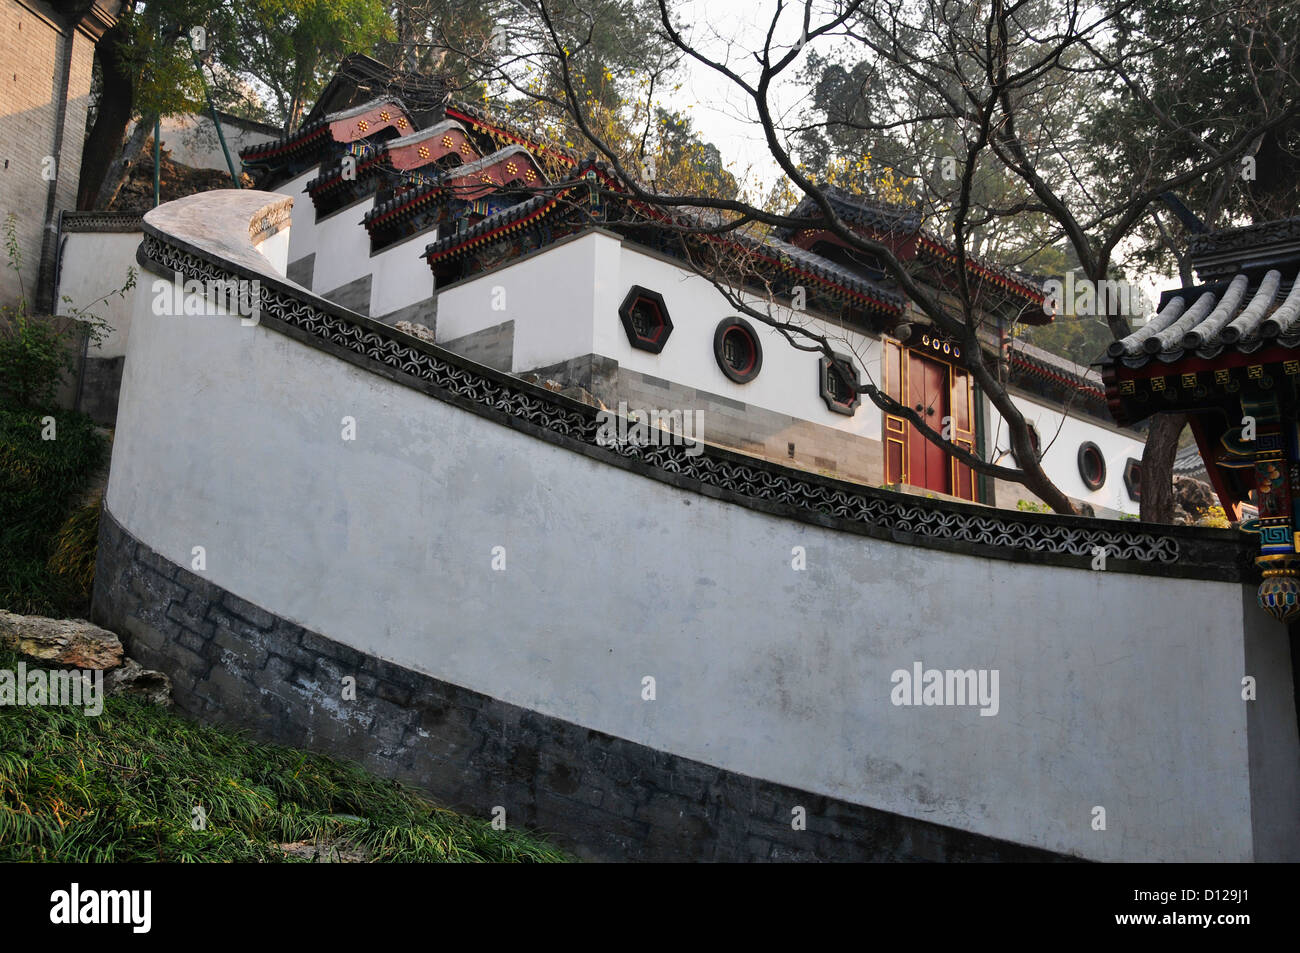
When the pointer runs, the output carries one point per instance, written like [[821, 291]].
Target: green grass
[[42, 485], [123, 786]]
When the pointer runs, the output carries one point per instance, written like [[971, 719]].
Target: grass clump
[[125, 786], [42, 483]]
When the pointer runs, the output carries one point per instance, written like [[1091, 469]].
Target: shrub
[[75, 543], [36, 351], [33, 357], [41, 481]]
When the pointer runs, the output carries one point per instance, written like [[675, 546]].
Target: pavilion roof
[[1243, 314]]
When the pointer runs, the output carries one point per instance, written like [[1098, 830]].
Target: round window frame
[[1085, 449], [727, 326]]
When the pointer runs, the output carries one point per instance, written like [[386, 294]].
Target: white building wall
[[94, 264], [1061, 436], [192, 139], [306, 236], [341, 243], [565, 302], [550, 296], [401, 275]]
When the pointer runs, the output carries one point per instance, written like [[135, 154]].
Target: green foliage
[[291, 47], [1082, 339], [687, 163], [40, 482], [157, 56], [48, 457], [1029, 506], [36, 351], [124, 786], [1214, 516], [33, 357], [75, 544], [1213, 70]]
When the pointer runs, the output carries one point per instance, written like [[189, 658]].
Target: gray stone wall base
[[421, 312], [101, 380], [355, 295], [730, 423], [302, 271], [494, 346], [601, 797]]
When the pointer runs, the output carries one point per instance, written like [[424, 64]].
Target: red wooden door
[[928, 393]]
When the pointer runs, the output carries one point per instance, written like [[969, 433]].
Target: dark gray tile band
[[355, 295], [494, 346], [302, 270]]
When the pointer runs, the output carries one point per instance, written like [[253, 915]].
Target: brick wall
[[600, 796], [30, 57]]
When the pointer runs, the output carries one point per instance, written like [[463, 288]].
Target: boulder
[[136, 681], [1192, 499], [71, 643], [416, 331]]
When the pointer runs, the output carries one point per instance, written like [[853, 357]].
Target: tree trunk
[[1157, 505], [121, 166], [112, 116]]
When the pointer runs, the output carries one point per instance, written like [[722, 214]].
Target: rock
[[325, 851], [583, 396], [1192, 499], [416, 331], [136, 681], [72, 643], [573, 391]]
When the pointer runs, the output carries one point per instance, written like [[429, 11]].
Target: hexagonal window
[[645, 319], [839, 387], [736, 347], [1133, 479]]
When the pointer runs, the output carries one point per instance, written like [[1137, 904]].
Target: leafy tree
[[1214, 71], [147, 67], [291, 47]]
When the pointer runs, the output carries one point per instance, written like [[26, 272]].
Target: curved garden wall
[[474, 533]]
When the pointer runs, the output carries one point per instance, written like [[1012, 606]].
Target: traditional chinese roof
[[513, 166], [1029, 361], [310, 142], [503, 130], [501, 223], [399, 157], [1219, 351], [1188, 462], [902, 226], [1221, 254], [431, 144], [361, 78], [1240, 315]]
